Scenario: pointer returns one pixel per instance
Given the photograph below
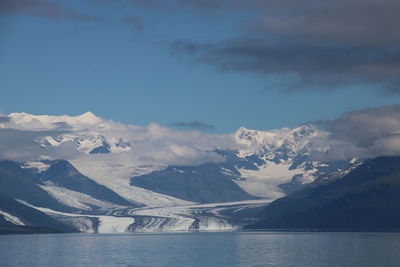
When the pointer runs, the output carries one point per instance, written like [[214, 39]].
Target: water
[[203, 249]]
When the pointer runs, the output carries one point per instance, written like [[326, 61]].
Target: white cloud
[[151, 144], [368, 132]]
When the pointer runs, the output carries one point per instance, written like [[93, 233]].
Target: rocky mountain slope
[[365, 199]]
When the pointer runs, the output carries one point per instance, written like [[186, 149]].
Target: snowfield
[[75, 199], [264, 181]]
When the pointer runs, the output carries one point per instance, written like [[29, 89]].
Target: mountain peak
[[242, 129], [88, 117], [87, 114], [248, 136]]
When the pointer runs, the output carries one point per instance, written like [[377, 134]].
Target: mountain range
[[88, 174]]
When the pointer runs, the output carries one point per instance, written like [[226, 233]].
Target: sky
[[210, 65]]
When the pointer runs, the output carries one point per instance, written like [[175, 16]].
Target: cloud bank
[[362, 134], [26, 137], [310, 44], [369, 132], [302, 65]]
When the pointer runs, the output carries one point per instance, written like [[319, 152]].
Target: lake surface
[[202, 249]]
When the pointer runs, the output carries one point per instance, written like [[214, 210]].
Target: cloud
[[21, 138], [348, 21], [21, 145], [296, 45], [302, 65], [362, 133], [135, 22], [339, 21], [366, 125], [197, 125], [365, 133], [44, 9], [310, 44]]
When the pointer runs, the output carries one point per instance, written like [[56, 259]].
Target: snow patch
[[264, 181], [11, 218], [75, 199], [38, 165], [228, 172]]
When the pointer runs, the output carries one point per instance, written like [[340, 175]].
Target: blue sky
[[56, 62]]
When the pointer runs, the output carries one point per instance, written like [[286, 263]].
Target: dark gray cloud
[[360, 21], [42, 8], [310, 44], [135, 22], [339, 21], [304, 64], [197, 125], [367, 133]]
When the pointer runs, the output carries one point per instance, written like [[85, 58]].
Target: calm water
[[202, 249]]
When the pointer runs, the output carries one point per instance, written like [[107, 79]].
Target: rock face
[[365, 199]]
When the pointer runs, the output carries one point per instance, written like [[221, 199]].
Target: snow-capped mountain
[[129, 172], [276, 142], [91, 143], [90, 134], [282, 160]]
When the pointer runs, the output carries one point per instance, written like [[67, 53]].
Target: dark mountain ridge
[[204, 183], [368, 198]]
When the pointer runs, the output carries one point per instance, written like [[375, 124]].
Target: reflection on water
[[202, 249]]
